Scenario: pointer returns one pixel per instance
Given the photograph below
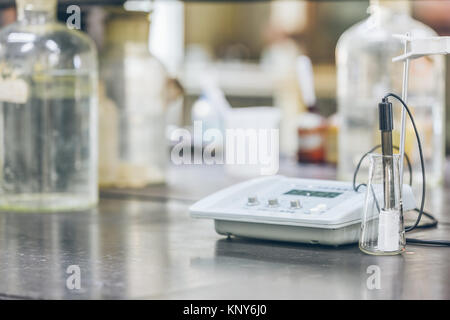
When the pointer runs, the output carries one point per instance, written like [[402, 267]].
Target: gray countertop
[[143, 244]]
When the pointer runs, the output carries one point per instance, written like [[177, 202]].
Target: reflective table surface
[[142, 244]]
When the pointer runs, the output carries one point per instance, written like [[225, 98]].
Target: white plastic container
[[251, 141]]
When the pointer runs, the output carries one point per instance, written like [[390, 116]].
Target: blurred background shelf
[[238, 36]]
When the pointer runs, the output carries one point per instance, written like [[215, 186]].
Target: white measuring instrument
[[289, 209]]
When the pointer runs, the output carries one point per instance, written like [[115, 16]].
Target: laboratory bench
[[142, 244]]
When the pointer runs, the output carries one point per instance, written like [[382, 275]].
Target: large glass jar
[[365, 73], [48, 113], [133, 150]]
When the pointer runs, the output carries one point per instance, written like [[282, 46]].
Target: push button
[[252, 201], [272, 202], [295, 204]]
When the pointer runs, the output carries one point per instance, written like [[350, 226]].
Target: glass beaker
[[382, 230]]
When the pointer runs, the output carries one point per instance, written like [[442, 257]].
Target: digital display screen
[[309, 193]]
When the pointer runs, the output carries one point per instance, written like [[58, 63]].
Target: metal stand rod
[[403, 123]]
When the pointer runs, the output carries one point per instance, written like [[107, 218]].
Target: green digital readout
[[309, 193]]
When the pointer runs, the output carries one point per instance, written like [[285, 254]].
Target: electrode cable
[[422, 162]]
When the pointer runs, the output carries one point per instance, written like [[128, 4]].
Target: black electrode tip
[[386, 119]]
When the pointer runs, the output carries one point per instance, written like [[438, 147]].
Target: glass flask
[[133, 149], [48, 113], [365, 73], [382, 230]]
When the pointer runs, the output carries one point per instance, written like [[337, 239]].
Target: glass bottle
[[136, 84], [48, 113], [365, 73], [382, 229]]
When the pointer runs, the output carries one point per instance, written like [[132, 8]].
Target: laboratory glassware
[[133, 149], [365, 72], [48, 113], [382, 229]]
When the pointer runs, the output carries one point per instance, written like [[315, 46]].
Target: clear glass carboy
[[48, 113]]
